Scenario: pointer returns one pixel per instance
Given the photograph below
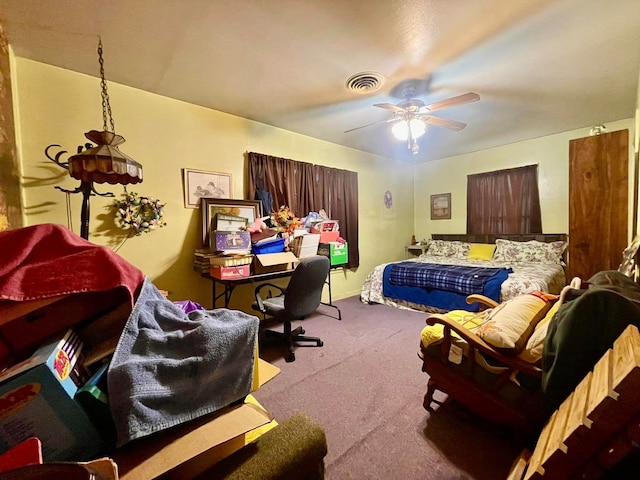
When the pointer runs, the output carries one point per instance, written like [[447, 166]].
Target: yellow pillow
[[481, 251], [434, 333]]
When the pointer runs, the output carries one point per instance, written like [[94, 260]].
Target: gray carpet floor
[[365, 386]]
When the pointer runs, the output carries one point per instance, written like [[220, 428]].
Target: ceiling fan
[[412, 116]]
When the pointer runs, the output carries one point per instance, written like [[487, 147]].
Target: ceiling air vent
[[365, 82]]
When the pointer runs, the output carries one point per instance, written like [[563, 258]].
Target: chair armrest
[[479, 344], [258, 297], [485, 302]]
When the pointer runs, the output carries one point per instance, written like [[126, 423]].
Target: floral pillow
[[532, 251], [448, 248]]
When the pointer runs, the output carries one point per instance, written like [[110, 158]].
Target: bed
[[519, 264]]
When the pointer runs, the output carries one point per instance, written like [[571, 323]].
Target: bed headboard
[[491, 237]]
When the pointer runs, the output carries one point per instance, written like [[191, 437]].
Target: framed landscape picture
[[201, 184], [210, 207], [441, 206]]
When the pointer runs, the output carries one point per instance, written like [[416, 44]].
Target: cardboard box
[[227, 273], [27, 325], [328, 237], [337, 252], [325, 226], [191, 448], [36, 400], [274, 262], [232, 242], [305, 245]]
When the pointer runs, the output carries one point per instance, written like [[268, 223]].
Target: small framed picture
[[201, 184], [441, 206]]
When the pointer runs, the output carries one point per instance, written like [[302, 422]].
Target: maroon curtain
[[504, 201], [305, 188]]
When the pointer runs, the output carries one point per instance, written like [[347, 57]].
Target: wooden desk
[[229, 284]]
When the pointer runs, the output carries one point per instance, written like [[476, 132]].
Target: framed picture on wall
[[201, 184], [441, 206], [210, 207]]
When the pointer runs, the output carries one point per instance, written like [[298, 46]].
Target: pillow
[[532, 352], [532, 251], [481, 251], [510, 324], [448, 248], [434, 333]]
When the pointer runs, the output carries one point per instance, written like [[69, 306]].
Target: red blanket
[[49, 260]]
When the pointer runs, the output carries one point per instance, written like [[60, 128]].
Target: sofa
[[514, 363], [469, 357]]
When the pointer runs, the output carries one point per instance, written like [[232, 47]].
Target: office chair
[[298, 300]]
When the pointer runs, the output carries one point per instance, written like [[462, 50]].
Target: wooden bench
[[596, 426]]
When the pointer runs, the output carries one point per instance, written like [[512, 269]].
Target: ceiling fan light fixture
[[401, 129]]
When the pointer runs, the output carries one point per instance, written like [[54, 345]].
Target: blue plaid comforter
[[453, 278]]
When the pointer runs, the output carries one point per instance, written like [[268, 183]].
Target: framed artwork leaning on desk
[[210, 207]]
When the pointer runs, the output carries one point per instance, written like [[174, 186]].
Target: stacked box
[[232, 242], [305, 245], [274, 262], [37, 400], [337, 252], [269, 246], [228, 273]]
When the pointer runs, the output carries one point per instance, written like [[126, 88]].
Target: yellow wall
[[54, 105], [550, 153], [58, 106]]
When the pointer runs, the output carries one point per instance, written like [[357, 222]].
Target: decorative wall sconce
[[100, 163]]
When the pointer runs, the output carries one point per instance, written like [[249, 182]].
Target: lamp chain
[[106, 107]]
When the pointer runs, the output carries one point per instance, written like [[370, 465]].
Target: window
[[504, 201], [305, 188]]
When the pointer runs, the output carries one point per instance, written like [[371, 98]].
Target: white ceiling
[[539, 66]]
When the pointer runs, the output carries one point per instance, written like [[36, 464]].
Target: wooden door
[[598, 202]]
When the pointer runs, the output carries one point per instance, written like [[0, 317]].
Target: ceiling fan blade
[[444, 122], [390, 106], [371, 124], [451, 102]]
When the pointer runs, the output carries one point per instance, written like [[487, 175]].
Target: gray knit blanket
[[170, 367]]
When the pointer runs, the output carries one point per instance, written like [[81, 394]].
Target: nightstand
[[415, 250]]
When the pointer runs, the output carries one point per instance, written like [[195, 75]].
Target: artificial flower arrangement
[[284, 219], [139, 213]]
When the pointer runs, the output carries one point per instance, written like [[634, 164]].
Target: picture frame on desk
[[210, 207], [200, 184]]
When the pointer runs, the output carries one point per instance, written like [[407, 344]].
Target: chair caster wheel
[[302, 332], [291, 358], [320, 343]]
